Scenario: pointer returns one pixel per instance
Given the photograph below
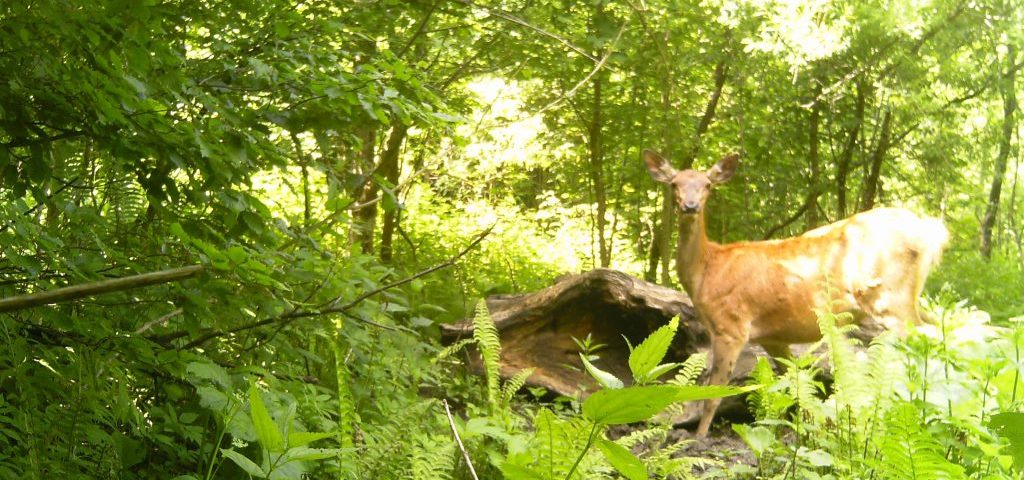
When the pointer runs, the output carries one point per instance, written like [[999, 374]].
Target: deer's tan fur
[[873, 263]]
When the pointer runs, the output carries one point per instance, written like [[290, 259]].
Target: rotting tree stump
[[537, 331]]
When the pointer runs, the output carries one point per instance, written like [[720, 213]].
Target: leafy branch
[[331, 306]]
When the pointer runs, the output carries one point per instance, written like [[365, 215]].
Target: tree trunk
[[813, 187], [870, 191], [365, 222], [661, 253], [846, 157], [596, 145], [667, 227], [389, 169], [1009, 125]]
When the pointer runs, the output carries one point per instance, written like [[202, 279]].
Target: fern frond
[[489, 344], [644, 436], [909, 451], [554, 446], [513, 384], [432, 457], [690, 369], [452, 349]]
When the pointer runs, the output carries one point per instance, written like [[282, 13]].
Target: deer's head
[[691, 187]]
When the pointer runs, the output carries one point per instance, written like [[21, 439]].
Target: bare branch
[[455, 432], [297, 313], [518, 21], [59, 295]]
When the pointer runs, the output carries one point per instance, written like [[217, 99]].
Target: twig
[[518, 21], [597, 68], [52, 194], [455, 432], [158, 321]]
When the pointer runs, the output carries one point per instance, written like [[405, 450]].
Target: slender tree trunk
[[813, 187], [846, 157], [1009, 125], [365, 223], [665, 249], [661, 252], [389, 169], [870, 190], [596, 144]]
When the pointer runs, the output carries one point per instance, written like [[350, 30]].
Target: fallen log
[[537, 330]]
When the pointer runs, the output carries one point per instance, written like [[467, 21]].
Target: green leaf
[[299, 439], [660, 370], [757, 438], [628, 405], [817, 458], [303, 454], [266, 430], [623, 460], [646, 356], [1011, 426], [512, 471], [604, 378], [634, 404], [242, 461]]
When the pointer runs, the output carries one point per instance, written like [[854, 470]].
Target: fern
[[553, 448], [512, 385], [432, 457], [452, 349], [908, 451], [690, 369], [489, 345]]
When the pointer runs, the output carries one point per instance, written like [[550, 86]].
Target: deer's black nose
[[690, 207]]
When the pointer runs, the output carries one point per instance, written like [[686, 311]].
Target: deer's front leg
[[725, 349]]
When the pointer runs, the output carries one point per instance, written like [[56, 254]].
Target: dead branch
[[74, 292]]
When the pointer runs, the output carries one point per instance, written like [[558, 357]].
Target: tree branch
[[331, 305], [73, 292]]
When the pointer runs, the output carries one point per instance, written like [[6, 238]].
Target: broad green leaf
[[646, 356], [209, 371], [300, 439], [660, 370], [634, 404], [689, 393], [302, 454], [266, 430], [512, 471], [604, 378], [242, 461], [1011, 426], [623, 460], [628, 405], [757, 438], [817, 458]]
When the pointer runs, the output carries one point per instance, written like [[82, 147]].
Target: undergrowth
[[936, 405]]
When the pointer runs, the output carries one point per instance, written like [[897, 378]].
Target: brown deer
[[873, 263]]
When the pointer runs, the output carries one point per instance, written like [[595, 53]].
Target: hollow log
[[537, 331]]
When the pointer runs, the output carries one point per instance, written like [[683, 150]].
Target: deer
[[771, 292]]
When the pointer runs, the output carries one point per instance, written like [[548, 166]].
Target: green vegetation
[[351, 175]]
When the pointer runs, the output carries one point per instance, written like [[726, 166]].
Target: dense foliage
[[350, 175]]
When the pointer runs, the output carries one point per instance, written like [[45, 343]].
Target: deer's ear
[[658, 167], [724, 169]]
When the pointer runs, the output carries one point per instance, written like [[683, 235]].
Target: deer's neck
[[692, 252]]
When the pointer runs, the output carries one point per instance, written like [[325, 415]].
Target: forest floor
[[722, 444]]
